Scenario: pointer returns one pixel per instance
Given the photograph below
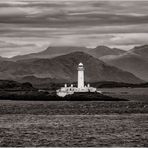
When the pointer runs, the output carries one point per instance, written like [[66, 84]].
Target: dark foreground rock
[[88, 96], [45, 96]]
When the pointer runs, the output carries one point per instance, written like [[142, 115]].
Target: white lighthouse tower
[[80, 76], [69, 90]]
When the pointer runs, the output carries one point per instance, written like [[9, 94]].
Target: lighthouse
[[81, 88], [80, 76]]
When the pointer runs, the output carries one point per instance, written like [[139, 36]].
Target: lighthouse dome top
[[80, 64]]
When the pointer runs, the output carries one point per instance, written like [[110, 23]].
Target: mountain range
[[5, 59], [63, 69], [134, 61], [101, 51], [52, 52], [13, 85], [59, 64], [141, 50]]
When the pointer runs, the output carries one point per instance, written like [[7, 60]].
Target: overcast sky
[[33, 25]]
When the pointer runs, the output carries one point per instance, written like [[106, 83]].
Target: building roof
[[80, 64]]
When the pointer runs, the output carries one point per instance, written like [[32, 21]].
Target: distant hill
[[141, 50], [104, 50], [51, 52], [4, 59], [64, 69], [43, 82], [1, 58], [13, 85], [28, 67], [134, 61]]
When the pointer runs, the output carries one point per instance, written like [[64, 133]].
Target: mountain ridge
[[134, 61], [140, 50], [52, 52], [64, 68], [100, 51]]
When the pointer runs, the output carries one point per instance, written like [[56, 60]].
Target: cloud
[[74, 12], [11, 47], [32, 25]]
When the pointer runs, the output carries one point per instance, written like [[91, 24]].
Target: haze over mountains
[[134, 61], [64, 68], [59, 64], [5, 59], [101, 51], [51, 52], [141, 50]]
